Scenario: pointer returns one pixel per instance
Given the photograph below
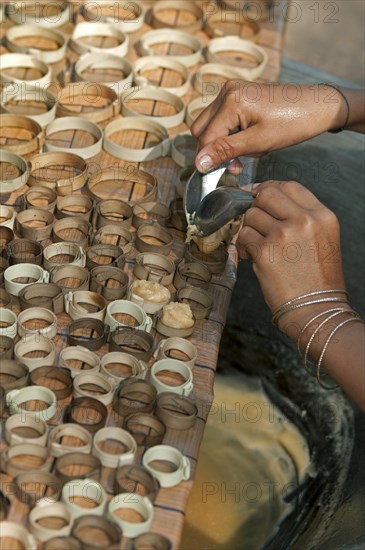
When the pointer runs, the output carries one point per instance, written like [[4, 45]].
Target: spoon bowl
[[220, 207]]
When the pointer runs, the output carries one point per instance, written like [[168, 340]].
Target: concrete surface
[[329, 36]]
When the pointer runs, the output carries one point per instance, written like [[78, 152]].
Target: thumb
[[225, 148]]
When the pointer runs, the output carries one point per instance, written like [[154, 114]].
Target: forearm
[[306, 295], [348, 107], [236, 124], [356, 100], [344, 357]]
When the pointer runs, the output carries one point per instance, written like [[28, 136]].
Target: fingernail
[[255, 186], [205, 163]]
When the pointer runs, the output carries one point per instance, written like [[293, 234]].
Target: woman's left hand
[[293, 240]]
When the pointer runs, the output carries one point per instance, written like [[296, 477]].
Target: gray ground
[[328, 36]]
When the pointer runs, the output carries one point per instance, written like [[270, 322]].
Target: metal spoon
[[199, 186], [220, 207]]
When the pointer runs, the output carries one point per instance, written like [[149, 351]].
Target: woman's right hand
[[251, 119]]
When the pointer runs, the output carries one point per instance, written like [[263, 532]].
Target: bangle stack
[[311, 299], [301, 301]]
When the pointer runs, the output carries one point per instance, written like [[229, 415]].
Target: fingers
[[227, 147], [249, 243], [219, 109], [300, 194], [216, 144], [292, 189], [260, 221], [205, 117], [229, 127], [223, 120], [284, 200], [236, 168], [275, 203]]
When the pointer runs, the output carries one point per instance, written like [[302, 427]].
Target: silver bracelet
[[291, 307], [309, 295], [352, 320], [312, 321], [317, 330]]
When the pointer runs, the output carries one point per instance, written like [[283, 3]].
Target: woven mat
[[171, 503]]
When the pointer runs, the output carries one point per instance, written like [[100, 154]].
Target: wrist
[[336, 97], [312, 299], [296, 324], [330, 335]]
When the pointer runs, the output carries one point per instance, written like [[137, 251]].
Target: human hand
[[251, 119], [294, 242]]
